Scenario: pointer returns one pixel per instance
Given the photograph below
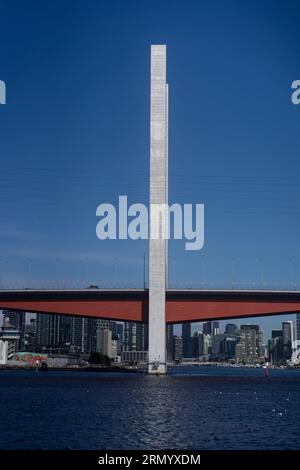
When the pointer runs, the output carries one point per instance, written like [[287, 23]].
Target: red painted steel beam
[[192, 306], [114, 310], [181, 306], [193, 311], [118, 305]]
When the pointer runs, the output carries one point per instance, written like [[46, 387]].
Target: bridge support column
[[158, 198]]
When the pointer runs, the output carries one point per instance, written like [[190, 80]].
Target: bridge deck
[[132, 304]]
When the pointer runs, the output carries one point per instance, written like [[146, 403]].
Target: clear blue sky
[[75, 133]]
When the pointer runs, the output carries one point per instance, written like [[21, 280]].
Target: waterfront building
[[211, 328], [297, 327], [275, 348], [215, 328], [62, 334], [120, 331], [48, 335], [177, 348], [95, 326], [104, 342], [170, 333], [17, 321], [119, 337], [287, 339], [247, 350], [186, 336], [207, 345], [200, 341], [135, 336], [229, 346], [80, 334], [231, 329], [280, 344], [30, 335], [9, 338], [134, 357], [217, 346], [114, 348], [207, 328], [193, 347]]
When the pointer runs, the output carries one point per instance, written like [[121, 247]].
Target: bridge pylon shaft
[[158, 197]]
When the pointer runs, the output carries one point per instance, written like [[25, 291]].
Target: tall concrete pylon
[[158, 245]]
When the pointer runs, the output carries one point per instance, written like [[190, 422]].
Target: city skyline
[[272, 322], [197, 326]]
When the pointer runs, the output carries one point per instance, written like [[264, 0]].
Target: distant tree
[[99, 358], [96, 357], [107, 360]]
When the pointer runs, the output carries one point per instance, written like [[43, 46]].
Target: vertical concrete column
[[3, 352], [158, 201]]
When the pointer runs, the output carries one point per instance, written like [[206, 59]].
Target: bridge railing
[[218, 285]]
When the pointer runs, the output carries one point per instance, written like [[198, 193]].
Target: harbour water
[[190, 408]]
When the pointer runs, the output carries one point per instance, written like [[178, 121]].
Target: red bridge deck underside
[[132, 305]]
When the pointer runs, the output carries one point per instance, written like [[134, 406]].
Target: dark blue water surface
[[191, 408]]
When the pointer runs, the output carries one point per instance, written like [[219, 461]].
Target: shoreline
[[73, 369], [116, 369]]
